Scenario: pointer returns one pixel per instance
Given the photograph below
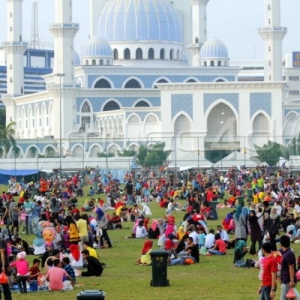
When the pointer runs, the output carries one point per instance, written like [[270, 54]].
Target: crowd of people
[[67, 235]]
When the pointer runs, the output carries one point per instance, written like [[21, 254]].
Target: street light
[[60, 75]]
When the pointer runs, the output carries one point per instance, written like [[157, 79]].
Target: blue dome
[[76, 59], [213, 48], [97, 47], [131, 20]]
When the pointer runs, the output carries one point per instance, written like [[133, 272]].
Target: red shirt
[[209, 196], [221, 246], [270, 265], [198, 217]]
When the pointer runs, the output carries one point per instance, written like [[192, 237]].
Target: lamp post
[[60, 75]]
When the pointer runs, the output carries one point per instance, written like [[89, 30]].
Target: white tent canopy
[[236, 159]]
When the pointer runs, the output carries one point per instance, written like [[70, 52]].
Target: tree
[[270, 153], [2, 117], [127, 153], [7, 139], [154, 157]]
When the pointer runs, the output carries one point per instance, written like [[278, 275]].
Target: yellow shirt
[[255, 199], [146, 258], [261, 195], [82, 227], [92, 252]]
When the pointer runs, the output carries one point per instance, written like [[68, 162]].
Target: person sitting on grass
[[146, 257], [192, 250], [91, 250], [75, 256], [140, 230], [34, 271], [56, 276], [181, 245], [68, 268], [94, 267], [173, 260], [114, 222], [240, 250], [219, 247]]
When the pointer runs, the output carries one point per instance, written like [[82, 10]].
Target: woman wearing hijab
[[272, 227], [172, 259], [240, 220], [240, 251], [180, 233], [153, 232], [145, 259], [226, 221], [76, 260], [254, 231], [140, 230], [74, 237]]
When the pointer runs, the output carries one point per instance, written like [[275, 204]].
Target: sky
[[235, 22]]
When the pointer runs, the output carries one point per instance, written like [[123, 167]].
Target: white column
[[64, 32], [272, 35], [95, 8], [199, 30], [14, 48]]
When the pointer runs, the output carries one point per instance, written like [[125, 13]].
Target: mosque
[[148, 74]]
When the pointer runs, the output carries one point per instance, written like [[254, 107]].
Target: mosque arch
[[94, 62], [160, 80], [139, 54], [261, 124], [220, 79], [172, 54], [142, 103], [182, 125], [37, 116], [15, 152], [102, 83], [94, 150], [50, 114], [32, 151], [49, 151], [116, 54], [127, 54], [178, 55], [101, 62], [77, 150], [221, 120], [219, 63], [44, 116], [191, 80], [212, 63], [133, 83], [151, 119], [133, 119], [113, 148], [86, 62], [80, 82], [133, 146], [205, 64], [151, 53], [111, 105], [23, 118], [86, 115]]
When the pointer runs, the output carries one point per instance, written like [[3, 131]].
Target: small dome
[[76, 59], [213, 48], [97, 47], [131, 20]]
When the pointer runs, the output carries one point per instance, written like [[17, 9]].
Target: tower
[[35, 41], [63, 89], [272, 35], [14, 49], [199, 29], [95, 7]]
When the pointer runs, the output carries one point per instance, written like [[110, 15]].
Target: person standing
[[267, 289], [273, 225], [102, 224], [129, 192], [254, 231], [288, 267], [82, 229], [4, 268], [28, 208], [13, 212]]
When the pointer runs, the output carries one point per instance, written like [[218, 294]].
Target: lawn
[[213, 278]]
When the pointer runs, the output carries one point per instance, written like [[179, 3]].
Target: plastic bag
[[291, 294], [3, 278]]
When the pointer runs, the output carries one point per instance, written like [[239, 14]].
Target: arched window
[[151, 53], [102, 84], [220, 80], [101, 62], [191, 80], [85, 114], [162, 54], [261, 124], [161, 81], [205, 64], [178, 55], [196, 40], [93, 62], [212, 63], [171, 54], [139, 53], [133, 119], [219, 63], [111, 105], [151, 119], [142, 103], [132, 84], [182, 125], [116, 54], [86, 62], [126, 53]]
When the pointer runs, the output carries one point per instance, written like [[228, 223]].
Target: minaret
[[199, 29], [64, 32], [273, 35], [14, 49], [95, 7], [63, 89]]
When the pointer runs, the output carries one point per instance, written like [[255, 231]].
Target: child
[[201, 237], [68, 268], [34, 271], [22, 267]]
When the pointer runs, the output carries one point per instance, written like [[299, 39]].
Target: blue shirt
[[201, 238], [36, 211], [70, 271]]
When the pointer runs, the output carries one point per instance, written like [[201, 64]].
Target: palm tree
[[7, 139]]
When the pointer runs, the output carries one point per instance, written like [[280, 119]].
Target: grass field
[[213, 278]]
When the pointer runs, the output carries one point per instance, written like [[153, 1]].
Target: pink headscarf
[[154, 224], [21, 255]]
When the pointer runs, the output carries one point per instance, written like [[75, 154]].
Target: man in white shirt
[[223, 233], [210, 239], [193, 234]]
